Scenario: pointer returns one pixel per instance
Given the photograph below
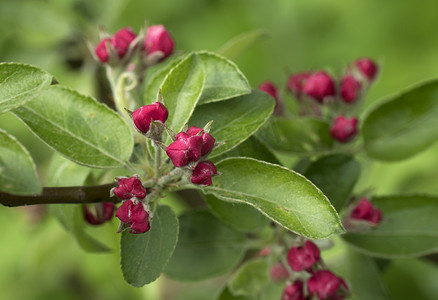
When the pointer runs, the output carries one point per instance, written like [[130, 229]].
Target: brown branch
[[62, 195]]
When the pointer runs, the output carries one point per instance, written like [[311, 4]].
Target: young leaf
[[144, 256], [239, 44], [238, 215], [181, 91], [78, 127], [19, 84], [223, 80], [336, 176], [284, 196], [234, 120], [403, 126], [302, 136], [17, 170], [206, 248], [250, 279], [409, 228]]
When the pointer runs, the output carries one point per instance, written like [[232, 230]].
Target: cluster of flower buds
[[190, 149], [314, 282], [98, 213], [157, 42], [133, 212], [363, 216]]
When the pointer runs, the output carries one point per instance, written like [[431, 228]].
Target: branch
[[62, 195]]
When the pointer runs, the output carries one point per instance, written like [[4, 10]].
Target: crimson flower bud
[[350, 88], [185, 149], [296, 82], [98, 213], [327, 285], [158, 39], [135, 216], [319, 86], [365, 211], [269, 88], [279, 272], [143, 116], [207, 140], [343, 129], [303, 257], [129, 188], [294, 291], [367, 67], [122, 39], [203, 172], [102, 51]]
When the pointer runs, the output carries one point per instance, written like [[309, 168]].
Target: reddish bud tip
[[365, 211], [122, 39], [143, 116], [294, 291], [102, 51], [207, 140], [326, 285], [269, 88], [185, 149], [343, 129], [303, 257], [350, 89], [158, 39], [367, 67], [98, 213], [319, 86], [279, 272], [135, 216], [296, 82], [129, 188], [203, 172]]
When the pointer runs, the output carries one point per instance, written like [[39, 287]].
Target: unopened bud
[[158, 39], [102, 51], [279, 272], [367, 67], [350, 89], [269, 88], [326, 285], [294, 291], [303, 257], [319, 86], [296, 82], [134, 215], [122, 39], [129, 188], [185, 149], [143, 116], [203, 172], [98, 213], [344, 129], [365, 211], [207, 140]]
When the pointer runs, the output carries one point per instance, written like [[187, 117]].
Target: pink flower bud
[[158, 39], [343, 129], [102, 51], [279, 272], [203, 172], [269, 88], [303, 257], [122, 39], [296, 82], [143, 116], [327, 285], [207, 140], [135, 216], [294, 291], [129, 188], [185, 149], [319, 86], [350, 89], [367, 67], [365, 211], [98, 213]]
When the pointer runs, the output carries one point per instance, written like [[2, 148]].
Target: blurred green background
[[39, 260]]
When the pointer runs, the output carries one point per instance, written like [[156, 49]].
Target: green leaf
[[302, 136], [404, 125], [272, 290], [181, 91], [409, 228], [223, 80], [235, 120], [154, 81], [284, 196], [63, 172], [17, 170], [19, 84], [241, 43], [240, 216], [250, 278], [336, 176], [144, 256], [206, 248], [78, 127], [251, 147]]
